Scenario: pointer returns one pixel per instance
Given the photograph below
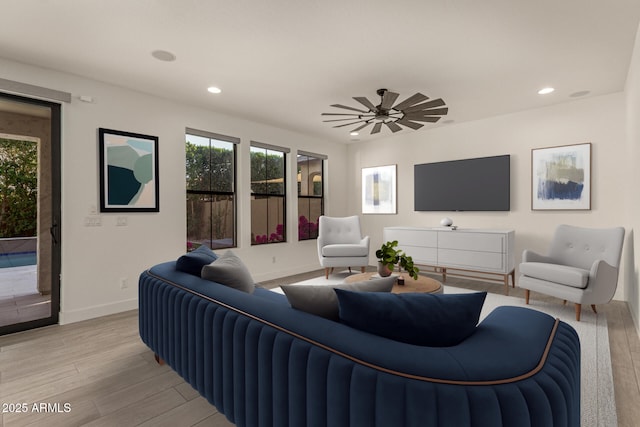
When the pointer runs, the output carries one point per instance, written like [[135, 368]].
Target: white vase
[[446, 222], [383, 270]]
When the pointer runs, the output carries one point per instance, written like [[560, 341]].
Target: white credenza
[[487, 254]]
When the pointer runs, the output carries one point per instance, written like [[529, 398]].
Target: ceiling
[[284, 62]]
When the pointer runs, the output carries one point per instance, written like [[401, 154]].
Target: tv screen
[[481, 184]]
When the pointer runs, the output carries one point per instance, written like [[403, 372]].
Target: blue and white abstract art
[[561, 177]]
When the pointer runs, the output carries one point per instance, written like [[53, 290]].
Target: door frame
[[56, 191]]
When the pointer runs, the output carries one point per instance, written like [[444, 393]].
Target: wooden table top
[[423, 284]]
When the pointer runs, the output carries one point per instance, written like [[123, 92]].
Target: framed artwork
[[561, 177], [128, 172], [379, 190]]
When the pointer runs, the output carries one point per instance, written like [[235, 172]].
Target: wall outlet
[[273, 259], [121, 221], [124, 284]]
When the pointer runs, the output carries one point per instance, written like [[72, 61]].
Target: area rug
[[597, 394]]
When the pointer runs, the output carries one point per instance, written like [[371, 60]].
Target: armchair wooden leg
[[527, 292], [564, 302], [593, 307], [578, 310], [362, 269], [326, 272]]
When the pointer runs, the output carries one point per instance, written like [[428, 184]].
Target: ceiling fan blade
[[361, 127], [349, 124], [340, 114], [376, 128], [412, 100], [393, 126], [348, 108], [388, 99], [434, 103], [341, 120], [364, 101], [432, 112], [430, 119], [410, 124]]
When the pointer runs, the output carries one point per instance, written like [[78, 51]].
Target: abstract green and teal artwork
[[128, 172]]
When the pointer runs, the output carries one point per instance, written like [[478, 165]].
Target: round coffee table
[[423, 284]]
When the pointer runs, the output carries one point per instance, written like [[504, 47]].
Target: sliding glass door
[[29, 213]]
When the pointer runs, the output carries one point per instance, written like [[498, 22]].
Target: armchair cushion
[[561, 274], [345, 249]]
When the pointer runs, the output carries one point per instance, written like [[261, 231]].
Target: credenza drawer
[[473, 260], [412, 236], [483, 242], [421, 255]]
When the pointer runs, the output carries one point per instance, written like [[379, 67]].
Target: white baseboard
[[288, 272], [79, 315]]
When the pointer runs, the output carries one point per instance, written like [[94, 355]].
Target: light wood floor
[[109, 377]]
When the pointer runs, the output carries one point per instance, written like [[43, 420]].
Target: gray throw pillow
[[322, 301], [229, 270]]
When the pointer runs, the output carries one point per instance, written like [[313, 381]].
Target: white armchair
[[340, 244], [582, 266]]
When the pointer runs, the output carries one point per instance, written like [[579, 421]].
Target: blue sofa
[[262, 363]]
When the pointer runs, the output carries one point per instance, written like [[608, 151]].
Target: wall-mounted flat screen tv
[[480, 184]]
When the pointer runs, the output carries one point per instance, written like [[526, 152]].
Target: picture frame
[[561, 177], [128, 171], [379, 190]]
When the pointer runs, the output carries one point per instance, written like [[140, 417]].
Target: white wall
[[599, 120], [632, 92], [94, 259]]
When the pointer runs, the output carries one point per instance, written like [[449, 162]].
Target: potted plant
[[389, 256]]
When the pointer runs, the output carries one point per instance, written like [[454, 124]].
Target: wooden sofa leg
[[159, 360], [593, 307], [578, 310], [527, 292], [362, 269]]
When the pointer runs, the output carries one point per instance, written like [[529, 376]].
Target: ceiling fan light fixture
[[407, 113]]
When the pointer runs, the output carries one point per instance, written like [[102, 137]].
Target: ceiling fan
[[407, 113]]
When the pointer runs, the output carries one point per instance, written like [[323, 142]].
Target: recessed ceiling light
[[163, 55], [545, 91], [354, 134], [214, 89]]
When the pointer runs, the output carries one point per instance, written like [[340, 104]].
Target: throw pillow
[[229, 270], [192, 262], [322, 301], [433, 320]]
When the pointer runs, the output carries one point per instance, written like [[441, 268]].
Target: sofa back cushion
[[229, 270], [434, 320], [321, 300], [192, 262]]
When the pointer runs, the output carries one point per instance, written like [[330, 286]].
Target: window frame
[[267, 194], [233, 194], [321, 158]]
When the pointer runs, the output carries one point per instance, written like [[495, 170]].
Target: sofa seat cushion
[[561, 274], [345, 250], [435, 320], [322, 301]]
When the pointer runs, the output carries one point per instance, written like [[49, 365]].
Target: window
[[310, 194], [268, 194], [211, 198]]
